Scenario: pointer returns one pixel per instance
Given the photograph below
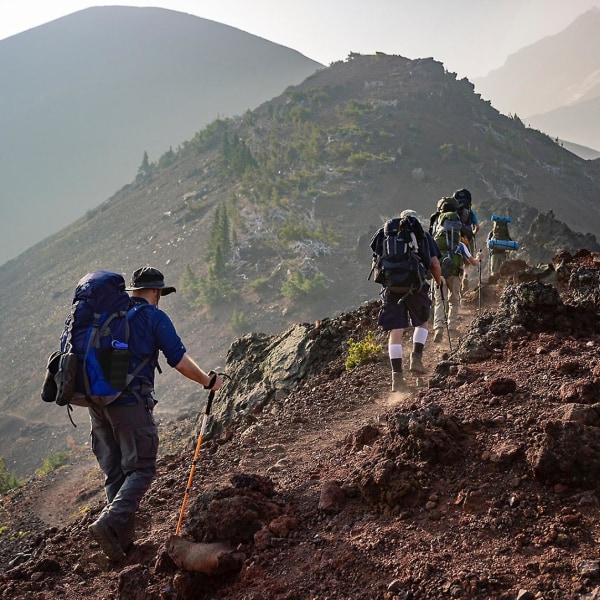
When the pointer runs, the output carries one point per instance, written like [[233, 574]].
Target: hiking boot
[[438, 336], [398, 383], [127, 535], [107, 539], [416, 364]]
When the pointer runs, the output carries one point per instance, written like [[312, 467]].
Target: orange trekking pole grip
[[205, 420]]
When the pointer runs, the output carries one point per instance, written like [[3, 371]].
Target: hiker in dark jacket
[[124, 433], [400, 310]]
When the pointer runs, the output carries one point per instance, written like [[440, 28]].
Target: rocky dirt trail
[[482, 485]]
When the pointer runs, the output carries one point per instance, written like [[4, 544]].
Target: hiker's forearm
[[190, 369]]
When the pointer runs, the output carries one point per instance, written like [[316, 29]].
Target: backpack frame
[[447, 235]]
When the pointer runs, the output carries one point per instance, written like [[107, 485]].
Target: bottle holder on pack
[[114, 362]]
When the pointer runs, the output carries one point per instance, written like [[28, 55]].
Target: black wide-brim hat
[[149, 278]]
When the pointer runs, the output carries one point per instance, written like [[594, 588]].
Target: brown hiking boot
[[416, 364], [107, 539], [398, 383], [438, 336]]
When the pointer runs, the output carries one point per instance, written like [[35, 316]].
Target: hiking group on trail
[[406, 258], [114, 378]]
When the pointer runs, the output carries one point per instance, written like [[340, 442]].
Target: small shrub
[[240, 323], [362, 352], [260, 284], [299, 287], [8, 480], [53, 462]]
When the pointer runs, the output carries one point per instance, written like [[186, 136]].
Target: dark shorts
[[400, 311]]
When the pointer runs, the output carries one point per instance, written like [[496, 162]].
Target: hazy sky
[[471, 37]]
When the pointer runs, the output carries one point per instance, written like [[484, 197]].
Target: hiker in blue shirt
[[124, 434], [470, 229]]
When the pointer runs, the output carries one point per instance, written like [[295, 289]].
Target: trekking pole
[[479, 268], [446, 316], [205, 421]]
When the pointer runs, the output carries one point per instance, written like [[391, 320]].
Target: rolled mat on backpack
[[502, 245]]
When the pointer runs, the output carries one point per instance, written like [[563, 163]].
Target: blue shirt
[[433, 247], [150, 331]]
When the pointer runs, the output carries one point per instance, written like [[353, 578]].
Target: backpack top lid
[[463, 197], [103, 291], [447, 231], [405, 224], [447, 204]]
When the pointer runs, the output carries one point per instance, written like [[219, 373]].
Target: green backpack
[[447, 233]]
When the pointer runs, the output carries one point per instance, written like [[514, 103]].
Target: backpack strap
[[131, 313]]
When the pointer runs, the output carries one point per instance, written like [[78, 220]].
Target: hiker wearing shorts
[[400, 310], [124, 434]]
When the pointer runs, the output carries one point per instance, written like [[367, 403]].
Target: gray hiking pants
[[125, 443]]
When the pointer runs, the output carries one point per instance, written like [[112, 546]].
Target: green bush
[[8, 480], [240, 323], [53, 462], [362, 352], [300, 287]]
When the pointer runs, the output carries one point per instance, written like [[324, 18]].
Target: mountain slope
[[314, 172], [86, 95], [557, 72]]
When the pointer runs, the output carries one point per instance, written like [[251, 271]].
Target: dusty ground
[[344, 490]]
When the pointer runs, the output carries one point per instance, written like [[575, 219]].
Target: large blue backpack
[[94, 344]]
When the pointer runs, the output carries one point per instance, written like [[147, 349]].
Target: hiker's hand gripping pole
[[205, 421]]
